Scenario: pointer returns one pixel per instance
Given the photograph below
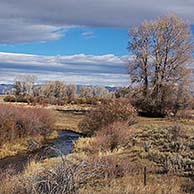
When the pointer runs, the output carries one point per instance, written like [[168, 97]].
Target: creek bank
[[62, 145]]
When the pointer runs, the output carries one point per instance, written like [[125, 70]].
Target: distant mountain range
[[7, 87]]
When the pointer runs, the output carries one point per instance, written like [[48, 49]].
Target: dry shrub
[[71, 176], [66, 177], [19, 122], [106, 113], [111, 137], [175, 102], [9, 99], [107, 139], [188, 186], [113, 166], [6, 174], [176, 132]]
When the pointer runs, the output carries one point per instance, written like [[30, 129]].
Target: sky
[[75, 41]]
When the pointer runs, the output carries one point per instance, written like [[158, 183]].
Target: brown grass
[[134, 185], [68, 121], [20, 145]]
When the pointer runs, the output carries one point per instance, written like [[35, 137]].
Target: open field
[[68, 121], [164, 146], [124, 173], [144, 122]]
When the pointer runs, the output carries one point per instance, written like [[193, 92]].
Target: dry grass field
[[68, 121], [163, 145], [123, 167]]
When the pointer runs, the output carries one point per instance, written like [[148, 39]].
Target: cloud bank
[[108, 70], [39, 20]]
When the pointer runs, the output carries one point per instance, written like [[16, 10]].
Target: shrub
[[113, 136], [9, 99], [107, 113], [65, 177], [18, 122], [79, 100], [92, 101], [88, 100], [23, 99], [173, 100], [71, 176], [108, 138], [41, 100]]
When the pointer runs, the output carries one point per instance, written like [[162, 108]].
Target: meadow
[[111, 165]]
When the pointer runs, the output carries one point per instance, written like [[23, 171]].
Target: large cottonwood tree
[[162, 50]]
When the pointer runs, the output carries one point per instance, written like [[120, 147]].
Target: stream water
[[62, 145]]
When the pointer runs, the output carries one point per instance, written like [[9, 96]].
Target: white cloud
[[80, 69], [108, 70], [17, 31], [24, 21]]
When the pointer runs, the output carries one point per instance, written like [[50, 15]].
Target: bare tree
[[37, 91], [162, 49], [86, 92], [18, 88], [101, 92], [55, 89], [71, 91], [95, 91], [24, 84]]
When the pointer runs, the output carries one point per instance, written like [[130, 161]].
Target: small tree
[[161, 50]]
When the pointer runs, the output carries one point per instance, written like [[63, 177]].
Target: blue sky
[[81, 42], [90, 41]]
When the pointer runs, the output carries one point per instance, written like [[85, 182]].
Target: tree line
[[54, 92]]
